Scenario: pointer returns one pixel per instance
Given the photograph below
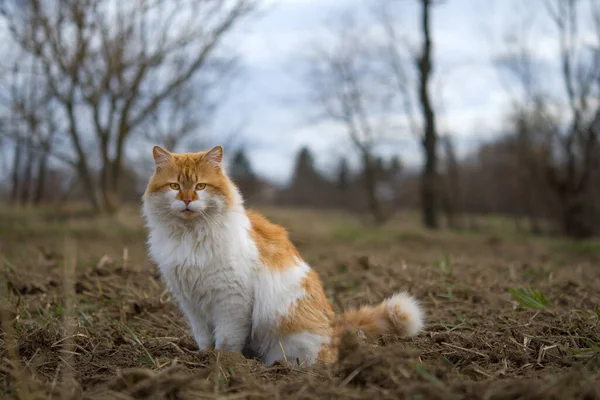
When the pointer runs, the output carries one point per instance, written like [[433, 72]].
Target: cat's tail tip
[[404, 313], [399, 315]]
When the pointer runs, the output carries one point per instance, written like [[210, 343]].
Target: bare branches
[[344, 80], [397, 63], [567, 128], [118, 62], [31, 129], [344, 77], [365, 73]]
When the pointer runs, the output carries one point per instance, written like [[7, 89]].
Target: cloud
[[470, 97]]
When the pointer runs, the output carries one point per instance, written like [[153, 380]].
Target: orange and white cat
[[238, 278]]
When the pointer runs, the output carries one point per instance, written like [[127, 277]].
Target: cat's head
[[187, 186]]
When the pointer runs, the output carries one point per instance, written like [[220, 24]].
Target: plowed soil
[[509, 316]]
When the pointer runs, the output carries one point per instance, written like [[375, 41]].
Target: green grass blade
[[528, 298]]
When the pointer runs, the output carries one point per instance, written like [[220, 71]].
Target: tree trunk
[[575, 209], [82, 166], [16, 184], [448, 208], [429, 182], [26, 184], [575, 221], [41, 179], [117, 165], [371, 188], [111, 171], [86, 180], [109, 199], [451, 196], [108, 189]]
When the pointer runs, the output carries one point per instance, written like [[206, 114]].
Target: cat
[[237, 277]]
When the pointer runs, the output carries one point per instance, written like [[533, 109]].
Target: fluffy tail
[[399, 315]]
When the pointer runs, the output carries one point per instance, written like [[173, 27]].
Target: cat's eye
[[174, 186], [200, 186]]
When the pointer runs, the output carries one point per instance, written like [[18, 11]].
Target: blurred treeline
[[85, 80]]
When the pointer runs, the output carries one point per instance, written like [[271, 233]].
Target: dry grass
[[508, 316]]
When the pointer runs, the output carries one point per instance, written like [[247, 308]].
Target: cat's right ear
[[161, 156]]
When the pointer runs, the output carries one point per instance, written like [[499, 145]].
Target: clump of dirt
[[170, 383], [575, 385], [38, 346], [362, 364], [27, 287], [143, 305]]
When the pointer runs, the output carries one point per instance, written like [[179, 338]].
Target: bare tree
[[190, 109], [451, 193], [394, 53], [112, 65], [175, 120], [562, 130], [429, 183], [344, 79], [31, 129]]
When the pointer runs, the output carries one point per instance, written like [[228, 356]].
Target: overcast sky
[[268, 105], [468, 89]]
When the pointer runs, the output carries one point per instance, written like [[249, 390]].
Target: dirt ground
[[509, 316]]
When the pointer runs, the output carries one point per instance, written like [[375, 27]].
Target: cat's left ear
[[214, 155], [161, 156]]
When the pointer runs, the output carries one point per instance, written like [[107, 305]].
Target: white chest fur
[[230, 298], [210, 268]]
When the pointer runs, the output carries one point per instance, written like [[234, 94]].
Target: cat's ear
[[161, 156], [214, 155]]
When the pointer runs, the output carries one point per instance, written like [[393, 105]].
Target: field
[[509, 316]]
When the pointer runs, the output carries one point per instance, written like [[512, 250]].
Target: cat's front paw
[[230, 344], [204, 343], [202, 334]]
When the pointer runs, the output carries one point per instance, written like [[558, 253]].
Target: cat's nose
[[187, 201]]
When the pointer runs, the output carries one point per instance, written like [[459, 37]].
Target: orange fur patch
[[328, 353], [274, 246], [312, 313], [189, 169], [373, 321]]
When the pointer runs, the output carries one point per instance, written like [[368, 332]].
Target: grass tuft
[[428, 375], [139, 343], [529, 298], [445, 265], [581, 248], [8, 264]]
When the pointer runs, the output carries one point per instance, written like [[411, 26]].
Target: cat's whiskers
[[212, 222]]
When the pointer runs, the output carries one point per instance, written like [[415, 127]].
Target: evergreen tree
[[243, 175], [240, 166]]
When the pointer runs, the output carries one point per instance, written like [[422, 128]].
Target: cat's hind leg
[[300, 349]]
